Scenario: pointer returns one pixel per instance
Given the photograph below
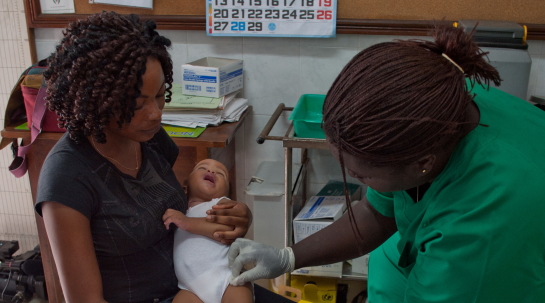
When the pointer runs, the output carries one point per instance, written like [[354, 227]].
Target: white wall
[[280, 70], [17, 221]]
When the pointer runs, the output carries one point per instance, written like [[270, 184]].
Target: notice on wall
[[133, 3], [57, 6], [271, 18]]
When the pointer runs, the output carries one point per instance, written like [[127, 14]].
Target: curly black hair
[[95, 74]]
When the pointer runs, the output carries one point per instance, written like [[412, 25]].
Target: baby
[[200, 261]]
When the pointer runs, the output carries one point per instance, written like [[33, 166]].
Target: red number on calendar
[[324, 15], [324, 2]]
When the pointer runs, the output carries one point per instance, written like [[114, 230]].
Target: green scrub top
[[478, 234]]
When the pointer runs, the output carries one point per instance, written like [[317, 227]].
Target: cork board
[[160, 7], [521, 11]]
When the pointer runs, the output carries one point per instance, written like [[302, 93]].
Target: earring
[[423, 171]]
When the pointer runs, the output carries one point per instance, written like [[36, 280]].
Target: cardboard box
[[212, 77], [318, 213], [360, 265], [334, 270]]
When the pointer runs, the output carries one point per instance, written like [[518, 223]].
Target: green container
[[307, 117]]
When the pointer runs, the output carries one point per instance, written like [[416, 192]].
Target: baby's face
[[208, 180]]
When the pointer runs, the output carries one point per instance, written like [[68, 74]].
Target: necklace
[[135, 152], [417, 193]]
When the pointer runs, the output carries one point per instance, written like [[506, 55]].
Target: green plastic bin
[[307, 116]]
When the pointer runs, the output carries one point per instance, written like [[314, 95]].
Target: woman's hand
[[232, 213]]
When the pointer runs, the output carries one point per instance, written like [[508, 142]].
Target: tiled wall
[[280, 70], [17, 220]]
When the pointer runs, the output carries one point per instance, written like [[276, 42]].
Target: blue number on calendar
[[238, 26]]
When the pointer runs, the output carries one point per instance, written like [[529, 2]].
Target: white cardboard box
[[319, 212], [212, 77], [360, 265]]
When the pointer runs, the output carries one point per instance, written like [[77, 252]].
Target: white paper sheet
[[57, 6], [135, 3]]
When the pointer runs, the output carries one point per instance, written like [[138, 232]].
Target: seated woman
[[106, 184], [200, 262]]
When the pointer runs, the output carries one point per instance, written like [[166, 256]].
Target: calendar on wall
[[271, 18]]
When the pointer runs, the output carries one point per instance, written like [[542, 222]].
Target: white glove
[[269, 262]]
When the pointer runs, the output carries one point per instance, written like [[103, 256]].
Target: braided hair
[[95, 74], [396, 102]]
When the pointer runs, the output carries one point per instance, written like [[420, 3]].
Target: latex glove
[[269, 262]]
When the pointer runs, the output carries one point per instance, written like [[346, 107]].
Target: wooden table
[[215, 142]]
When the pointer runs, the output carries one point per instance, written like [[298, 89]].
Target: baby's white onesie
[[201, 264]]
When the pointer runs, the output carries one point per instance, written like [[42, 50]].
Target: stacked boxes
[[319, 212]]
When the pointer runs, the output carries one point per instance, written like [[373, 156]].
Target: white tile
[[200, 37], [249, 200], [4, 5], [48, 34], [240, 153], [271, 41], [540, 77], [175, 36], [16, 203], [369, 40], [321, 66], [9, 77], [241, 186], [44, 49], [323, 167], [344, 41], [536, 59], [536, 47], [6, 23], [271, 77], [9, 183], [230, 51], [269, 150], [178, 54], [6, 157]]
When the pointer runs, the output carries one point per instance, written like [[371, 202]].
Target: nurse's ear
[[425, 164]]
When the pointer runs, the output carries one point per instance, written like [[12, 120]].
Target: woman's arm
[[232, 213], [198, 226], [334, 243], [69, 233]]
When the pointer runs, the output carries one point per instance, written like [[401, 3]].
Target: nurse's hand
[[268, 262], [233, 213]]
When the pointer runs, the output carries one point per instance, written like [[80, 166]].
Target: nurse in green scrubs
[[455, 205]]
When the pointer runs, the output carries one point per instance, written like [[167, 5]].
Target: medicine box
[[360, 265], [319, 212], [212, 77]]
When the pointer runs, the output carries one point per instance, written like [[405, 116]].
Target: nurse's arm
[[69, 233], [337, 242]]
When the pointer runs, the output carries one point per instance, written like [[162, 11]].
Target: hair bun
[[464, 52]]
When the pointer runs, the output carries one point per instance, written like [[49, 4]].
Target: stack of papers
[[195, 111]]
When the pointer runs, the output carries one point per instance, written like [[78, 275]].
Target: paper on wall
[[57, 6], [134, 3]]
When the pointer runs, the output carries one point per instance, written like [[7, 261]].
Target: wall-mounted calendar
[[271, 18]]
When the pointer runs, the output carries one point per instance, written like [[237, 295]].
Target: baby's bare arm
[[198, 226]]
